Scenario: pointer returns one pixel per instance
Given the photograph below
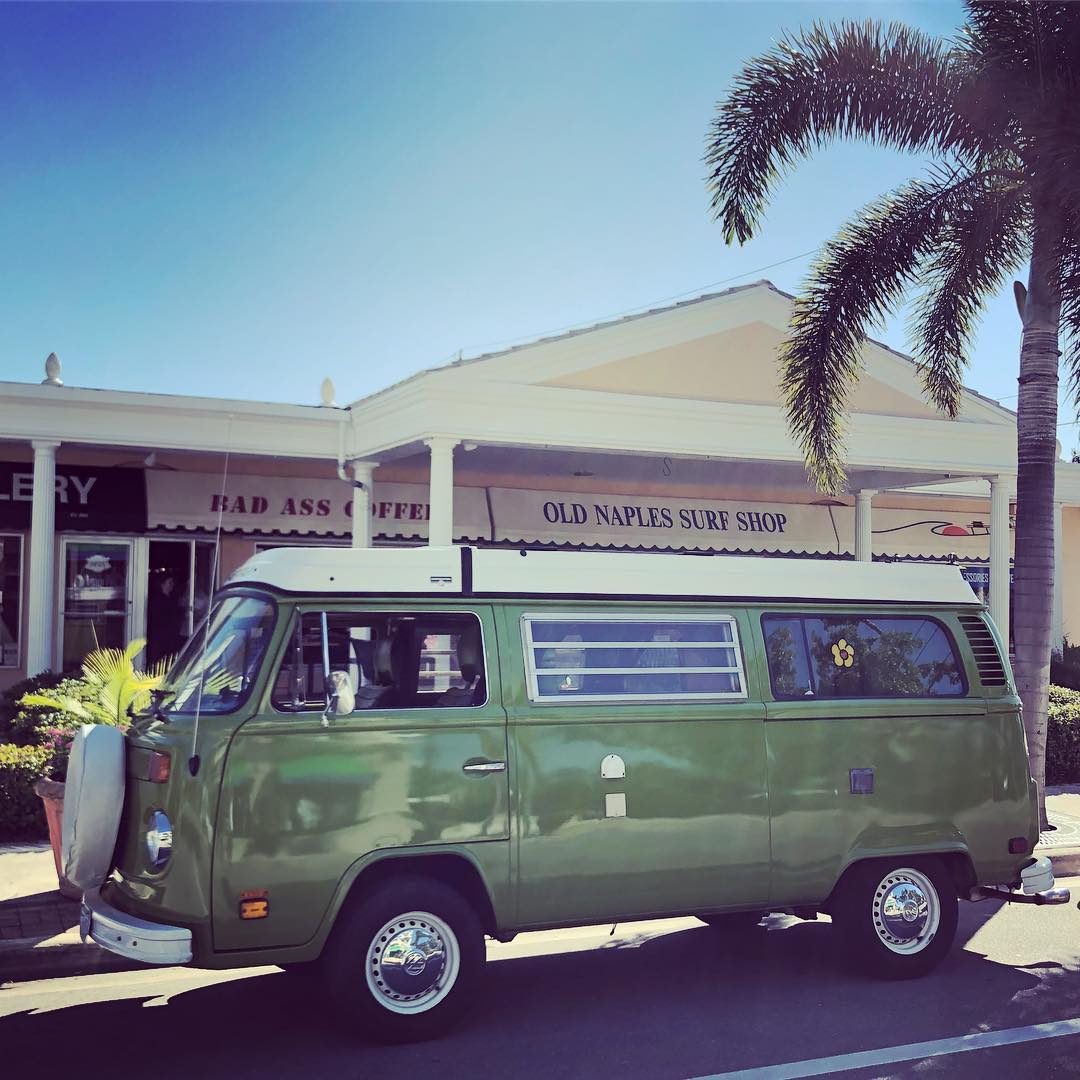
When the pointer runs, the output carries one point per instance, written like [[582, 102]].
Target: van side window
[[616, 658], [413, 660], [853, 656]]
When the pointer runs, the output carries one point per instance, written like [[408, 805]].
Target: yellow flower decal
[[843, 654]]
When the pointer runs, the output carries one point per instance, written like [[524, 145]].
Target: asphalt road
[[669, 999]]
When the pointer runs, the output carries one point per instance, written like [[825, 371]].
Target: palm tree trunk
[[1036, 431]]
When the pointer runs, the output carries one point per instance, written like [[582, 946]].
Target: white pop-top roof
[[501, 572]]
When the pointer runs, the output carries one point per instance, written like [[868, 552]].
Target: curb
[[65, 955], [1065, 860]]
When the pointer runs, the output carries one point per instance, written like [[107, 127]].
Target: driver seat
[[470, 654], [382, 693]]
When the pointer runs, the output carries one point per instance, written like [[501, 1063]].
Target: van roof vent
[[982, 643]]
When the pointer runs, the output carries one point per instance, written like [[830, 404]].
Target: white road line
[[866, 1059]]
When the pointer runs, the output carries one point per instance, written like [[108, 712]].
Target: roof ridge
[[604, 324], [575, 331]]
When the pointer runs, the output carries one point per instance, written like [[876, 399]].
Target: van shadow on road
[[674, 1005]]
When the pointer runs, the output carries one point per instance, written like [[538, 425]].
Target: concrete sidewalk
[[39, 928]]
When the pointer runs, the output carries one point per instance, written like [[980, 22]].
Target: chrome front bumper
[[137, 939]]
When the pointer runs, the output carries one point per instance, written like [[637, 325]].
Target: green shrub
[[1063, 737], [22, 816], [34, 721], [1065, 666], [9, 700]]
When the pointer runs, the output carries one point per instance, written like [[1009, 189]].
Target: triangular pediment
[[739, 366], [722, 347]]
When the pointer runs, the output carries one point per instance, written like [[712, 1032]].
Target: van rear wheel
[[405, 960], [897, 918]]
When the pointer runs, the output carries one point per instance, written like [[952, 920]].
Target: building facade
[[120, 512]]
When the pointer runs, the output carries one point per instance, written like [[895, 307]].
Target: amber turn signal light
[[1018, 845], [160, 764], [254, 909]]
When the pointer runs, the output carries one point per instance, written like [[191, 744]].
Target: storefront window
[[178, 593], [96, 597], [10, 595]]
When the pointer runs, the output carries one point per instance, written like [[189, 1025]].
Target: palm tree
[[994, 113]]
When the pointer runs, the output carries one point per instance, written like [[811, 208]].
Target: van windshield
[[216, 670]]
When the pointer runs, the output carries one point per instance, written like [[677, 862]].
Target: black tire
[[865, 927], [376, 995], [734, 922]]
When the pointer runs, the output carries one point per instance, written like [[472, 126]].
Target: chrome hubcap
[[906, 911], [412, 962]]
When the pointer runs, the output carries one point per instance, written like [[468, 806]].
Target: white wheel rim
[[906, 911], [412, 962]]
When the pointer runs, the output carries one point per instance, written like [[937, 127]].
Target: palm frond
[[1070, 311], [134, 647], [1034, 44], [981, 242], [1055, 132], [62, 703], [859, 278], [120, 686], [890, 85]]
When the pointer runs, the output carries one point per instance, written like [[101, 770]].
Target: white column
[[1057, 633], [441, 491], [864, 540], [42, 613], [1000, 490], [361, 502]]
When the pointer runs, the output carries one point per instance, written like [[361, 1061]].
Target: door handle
[[484, 766]]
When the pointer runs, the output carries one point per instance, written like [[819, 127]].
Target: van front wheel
[[897, 919], [404, 961]]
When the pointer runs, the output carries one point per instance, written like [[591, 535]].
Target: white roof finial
[[327, 393], [52, 371]]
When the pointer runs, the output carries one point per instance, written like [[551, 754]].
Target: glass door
[[95, 597], [178, 591]]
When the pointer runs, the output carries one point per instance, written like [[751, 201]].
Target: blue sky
[[237, 200]]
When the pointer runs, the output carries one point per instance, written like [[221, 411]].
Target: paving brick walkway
[[42, 916], [30, 905]]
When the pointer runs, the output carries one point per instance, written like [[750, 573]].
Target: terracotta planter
[[51, 793]]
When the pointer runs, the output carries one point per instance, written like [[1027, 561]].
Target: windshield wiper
[[157, 700]]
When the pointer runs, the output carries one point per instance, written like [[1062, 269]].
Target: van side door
[[417, 760], [639, 761], [878, 743]]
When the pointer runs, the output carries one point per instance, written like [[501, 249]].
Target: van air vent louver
[[982, 643]]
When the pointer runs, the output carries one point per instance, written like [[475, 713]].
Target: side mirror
[[341, 700]]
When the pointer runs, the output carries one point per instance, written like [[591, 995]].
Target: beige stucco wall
[[1070, 572]]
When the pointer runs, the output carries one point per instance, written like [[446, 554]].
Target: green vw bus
[[371, 759]]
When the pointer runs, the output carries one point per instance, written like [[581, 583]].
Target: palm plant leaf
[[66, 703], [120, 686], [858, 279], [890, 85], [983, 241]]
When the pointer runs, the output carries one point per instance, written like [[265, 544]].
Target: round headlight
[[158, 839]]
